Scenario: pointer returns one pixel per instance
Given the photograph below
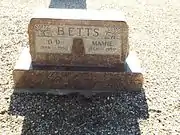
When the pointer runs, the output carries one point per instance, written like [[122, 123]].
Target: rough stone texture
[[77, 80], [27, 76], [69, 18], [154, 34]]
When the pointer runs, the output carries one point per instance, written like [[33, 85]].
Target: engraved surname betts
[[71, 31], [77, 31], [59, 39]]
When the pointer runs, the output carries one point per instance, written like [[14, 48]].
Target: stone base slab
[[76, 79]]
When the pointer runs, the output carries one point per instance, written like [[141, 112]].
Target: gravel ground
[[154, 35]]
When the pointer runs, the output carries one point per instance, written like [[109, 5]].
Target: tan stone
[[78, 50], [87, 38], [26, 76]]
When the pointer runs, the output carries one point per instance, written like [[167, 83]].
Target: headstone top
[[80, 14]]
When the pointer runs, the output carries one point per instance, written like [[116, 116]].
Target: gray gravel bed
[[154, 35]]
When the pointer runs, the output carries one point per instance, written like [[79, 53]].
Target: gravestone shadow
[[104, 113], [68, 4]]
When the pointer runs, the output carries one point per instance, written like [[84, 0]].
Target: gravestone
[[79, 50], [65, 39]]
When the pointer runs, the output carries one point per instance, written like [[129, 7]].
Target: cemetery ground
[[154, 34]]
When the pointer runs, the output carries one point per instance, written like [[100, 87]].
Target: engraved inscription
[[105, 46], [59, 39], [53, 45]]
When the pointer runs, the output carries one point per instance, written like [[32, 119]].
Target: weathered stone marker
[[62, 38], [78, 49]]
